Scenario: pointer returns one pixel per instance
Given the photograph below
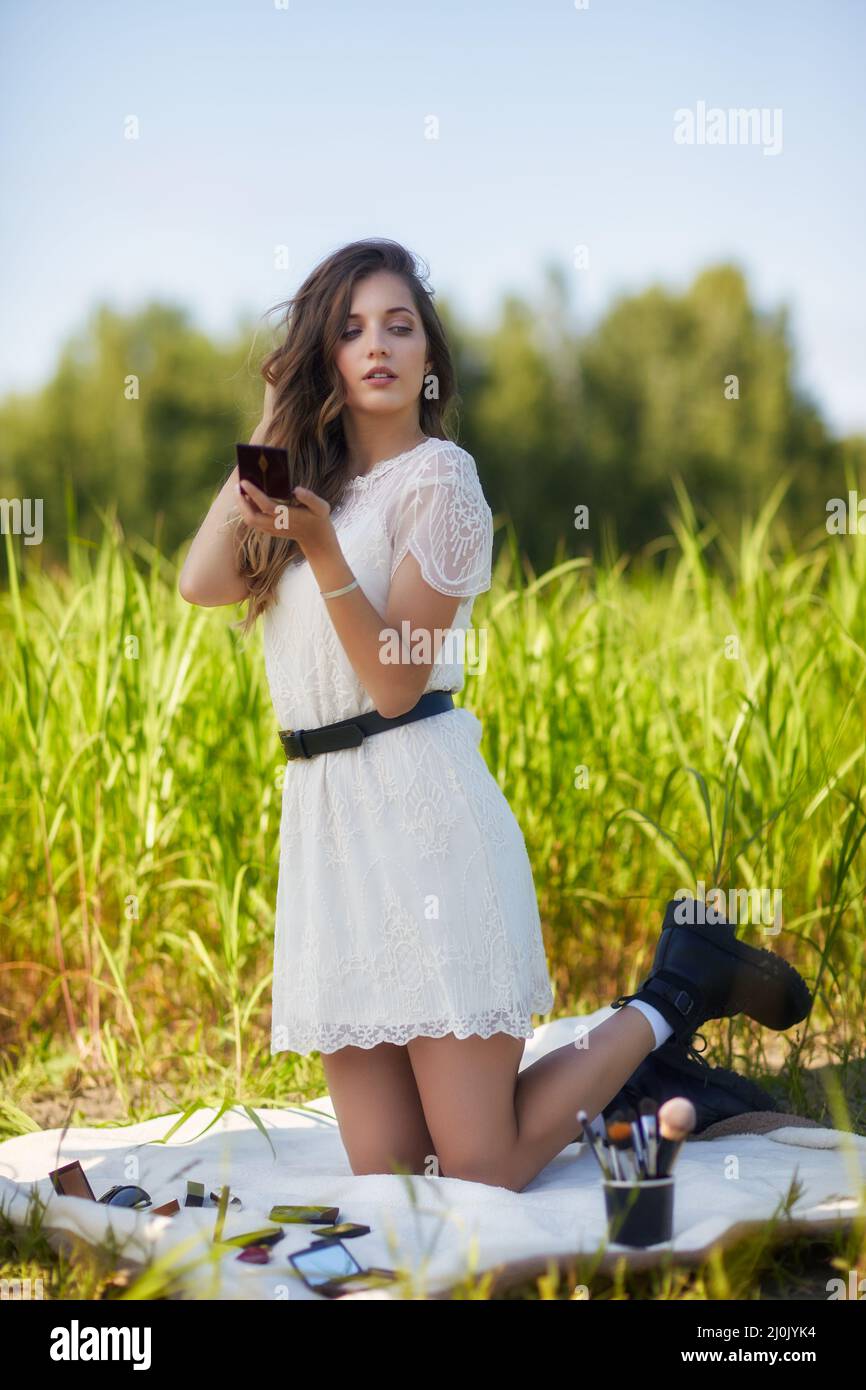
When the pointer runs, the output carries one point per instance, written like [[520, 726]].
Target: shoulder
[[446, 451], [444, 519], [446, 465]]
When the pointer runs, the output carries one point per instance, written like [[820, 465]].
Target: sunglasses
[[125, 1195]]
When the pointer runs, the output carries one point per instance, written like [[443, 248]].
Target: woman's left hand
[[309, 523]]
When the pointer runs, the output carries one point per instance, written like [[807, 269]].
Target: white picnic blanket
[[437, 1229]]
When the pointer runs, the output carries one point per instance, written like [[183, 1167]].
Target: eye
[[395, 328]]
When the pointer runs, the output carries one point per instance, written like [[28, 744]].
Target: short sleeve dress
[[405, 900]]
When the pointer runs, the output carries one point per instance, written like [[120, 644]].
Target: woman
[[408, 946]]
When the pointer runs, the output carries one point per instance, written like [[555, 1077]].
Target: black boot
[[702, 971], [673, 1070]]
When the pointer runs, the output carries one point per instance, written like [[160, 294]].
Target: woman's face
[[383, 331]]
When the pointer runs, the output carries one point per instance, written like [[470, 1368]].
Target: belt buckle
[[285, 736]]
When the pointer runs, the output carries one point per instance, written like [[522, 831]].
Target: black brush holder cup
[[640, 1213]]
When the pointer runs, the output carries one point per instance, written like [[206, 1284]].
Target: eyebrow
[[399, 309]]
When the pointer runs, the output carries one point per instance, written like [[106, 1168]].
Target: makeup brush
[[638, 1141], [590, 1132], [612, 1154], [619, 1137], [596, 1124], [649, 1127], [676, 1118]]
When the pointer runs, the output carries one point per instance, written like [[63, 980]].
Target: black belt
[[350, 733]]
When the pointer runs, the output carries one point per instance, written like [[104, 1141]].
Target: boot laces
[[695, 1053]]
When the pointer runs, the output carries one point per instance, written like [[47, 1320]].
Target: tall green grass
[[143, 774]]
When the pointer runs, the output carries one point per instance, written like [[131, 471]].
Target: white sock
[[659, 1023]]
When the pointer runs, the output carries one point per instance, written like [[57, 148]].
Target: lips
[[375, 371]]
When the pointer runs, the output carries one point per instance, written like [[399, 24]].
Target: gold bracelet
[[334, 592]]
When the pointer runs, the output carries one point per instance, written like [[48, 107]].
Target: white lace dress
[[405, 899]]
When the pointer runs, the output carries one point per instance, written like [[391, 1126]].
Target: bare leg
[[548, 1089], [378, 1109], [490, 1124]]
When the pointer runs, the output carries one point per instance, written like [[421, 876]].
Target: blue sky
[[304, 126]]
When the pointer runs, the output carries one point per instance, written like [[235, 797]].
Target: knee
[[364, 1162], [472, 1166]]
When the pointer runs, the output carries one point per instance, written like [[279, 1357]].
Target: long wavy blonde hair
[[309, 395]]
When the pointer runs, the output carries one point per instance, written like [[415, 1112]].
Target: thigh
[[378, 1108], [467, 1088]]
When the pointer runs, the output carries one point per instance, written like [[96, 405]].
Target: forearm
[[360, 628], [209, 576]]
